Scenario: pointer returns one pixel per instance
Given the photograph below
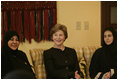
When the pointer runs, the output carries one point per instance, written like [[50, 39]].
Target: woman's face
[[108, 37], [58, 38], [13, 43]]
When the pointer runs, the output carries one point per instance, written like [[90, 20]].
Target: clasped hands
[[106, 75]]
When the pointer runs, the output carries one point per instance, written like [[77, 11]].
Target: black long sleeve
[[94, 65]]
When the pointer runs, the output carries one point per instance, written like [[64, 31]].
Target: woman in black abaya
[[104, 61], [14, 60]]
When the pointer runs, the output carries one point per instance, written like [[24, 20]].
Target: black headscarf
[[5, 48], [114, 43]]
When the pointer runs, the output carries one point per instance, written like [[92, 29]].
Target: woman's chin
[[13, 48], [58, 44]]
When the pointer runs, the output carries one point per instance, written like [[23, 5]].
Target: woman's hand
[[77, 76], [98, 75], [107, 75]]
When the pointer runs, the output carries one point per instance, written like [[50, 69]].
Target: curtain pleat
[[5, 21], [50, 23], [4, 25], [13, 26], [23, 36], [46, 24], [38, 25], [2, 22], [54, 17], [8, 20], [32, 25], [26, 25], [42, 32], [19, 24]]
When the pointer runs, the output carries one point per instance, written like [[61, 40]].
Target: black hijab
[[111, 49], [114, 43], [5, 48]]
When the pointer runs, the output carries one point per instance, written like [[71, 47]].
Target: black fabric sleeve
[[76, 64], [94, 65], [25, 58], [27, 63]]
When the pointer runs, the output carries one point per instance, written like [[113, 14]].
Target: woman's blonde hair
[[59, 27]]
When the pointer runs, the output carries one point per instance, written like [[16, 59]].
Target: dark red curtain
[[4, 24], [46, 25], [31, 19], [38, 25]]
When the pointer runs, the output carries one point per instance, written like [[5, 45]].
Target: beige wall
[[69, 13]]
